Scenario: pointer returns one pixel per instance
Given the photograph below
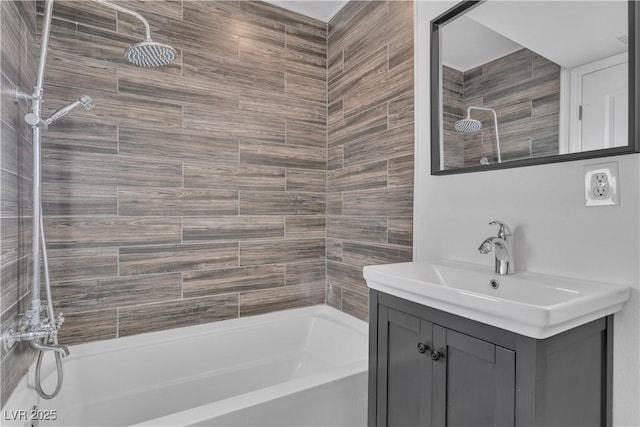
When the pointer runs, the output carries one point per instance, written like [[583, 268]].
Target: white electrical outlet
[[601, 186]]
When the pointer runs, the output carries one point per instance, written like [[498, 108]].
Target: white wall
[[544, 206]]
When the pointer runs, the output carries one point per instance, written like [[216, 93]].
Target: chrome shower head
[[150, 54], [86, 101], [468, 125]]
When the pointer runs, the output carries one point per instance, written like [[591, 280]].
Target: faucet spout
[[59, 348], [502, 246]]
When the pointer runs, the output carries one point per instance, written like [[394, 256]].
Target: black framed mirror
[[520, 83]]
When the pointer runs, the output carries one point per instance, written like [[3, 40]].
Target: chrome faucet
[[62, 349], [502, 245]]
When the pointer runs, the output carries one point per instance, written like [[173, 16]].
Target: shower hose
[[45, 265]]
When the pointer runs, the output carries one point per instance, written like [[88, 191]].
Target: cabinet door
[[473, 381], [404, 373]]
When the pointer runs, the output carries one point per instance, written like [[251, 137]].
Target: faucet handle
[[503, 231]]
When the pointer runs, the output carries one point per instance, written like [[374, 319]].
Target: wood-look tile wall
[[370, 145], [17, 67], [192, 193], [524, 89]]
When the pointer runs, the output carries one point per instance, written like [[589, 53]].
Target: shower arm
[[130, 12], [495, 123]]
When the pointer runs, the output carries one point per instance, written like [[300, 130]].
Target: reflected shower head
[[150, 54], [468, 125]]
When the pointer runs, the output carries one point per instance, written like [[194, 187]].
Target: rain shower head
[[467, 125], [150, 54], [147, 53]]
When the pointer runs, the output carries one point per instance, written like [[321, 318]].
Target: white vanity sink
[[534, 305]]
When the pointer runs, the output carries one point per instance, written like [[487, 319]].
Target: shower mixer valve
[[34, 331]]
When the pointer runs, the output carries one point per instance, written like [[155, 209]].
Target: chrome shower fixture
[[87, 102], [147, 53], [469, 125], [34, 120]]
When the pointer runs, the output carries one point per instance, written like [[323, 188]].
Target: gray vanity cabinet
[[431, 368]]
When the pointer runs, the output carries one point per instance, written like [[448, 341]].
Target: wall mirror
[[518, 83]]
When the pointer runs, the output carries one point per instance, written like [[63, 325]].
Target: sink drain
[[494, 283]]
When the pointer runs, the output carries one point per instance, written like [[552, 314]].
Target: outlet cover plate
[[601, 184]]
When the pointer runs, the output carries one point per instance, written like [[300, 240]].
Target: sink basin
[[534, 305]]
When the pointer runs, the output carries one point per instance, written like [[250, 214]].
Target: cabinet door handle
[[435, 356], [422, 347]]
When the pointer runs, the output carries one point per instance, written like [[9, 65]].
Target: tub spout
[[59, 348]]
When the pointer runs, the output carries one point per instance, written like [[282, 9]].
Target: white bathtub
[[300, 367]]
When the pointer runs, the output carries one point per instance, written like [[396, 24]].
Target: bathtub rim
[[24, 396]]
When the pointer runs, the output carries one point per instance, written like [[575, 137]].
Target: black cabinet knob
[[422, 348], [435, 356]]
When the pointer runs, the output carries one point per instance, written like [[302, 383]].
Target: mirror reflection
[[530, 79]]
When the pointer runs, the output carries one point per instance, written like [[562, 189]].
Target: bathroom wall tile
[[15, 278], [252, 126], [95, 325], [305, 226], [90, 75], [334, 113], [401, 171], [354, 79], [334, 250], [335, 157], [175, 314], [299, 87], [97, 294], [82, 263], [356, 303], [80, 135], [110, 169], [76, 198], [176, 202], [394, 201], [306, 180], [276, 203], [361, 254], [379, 89], [276, 252], [334, 297], [233, 228], [222, 71], [289, 156], [345, 276], [400, 231], [187, 145], [228, 280], [233, 177], [16, 150], [306, 273], [88, 14], [360, 177], [101, 231], [159, 85], [359, 127], [15, 238], [264, 301], [176, 258], [271, 13], [388, 144], [401, 110], [359, 228], [13, 41], [305, 133], [14, 191], [370, 118], [334, 203]]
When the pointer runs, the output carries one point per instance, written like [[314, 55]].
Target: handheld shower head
[[86, 101]]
